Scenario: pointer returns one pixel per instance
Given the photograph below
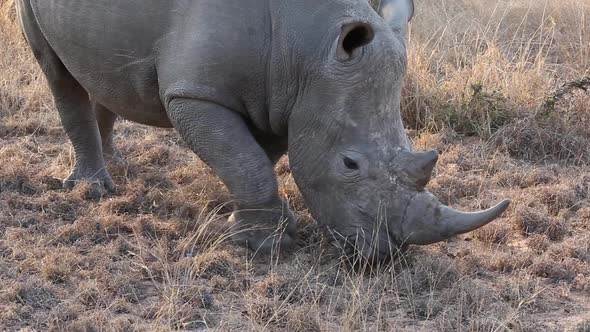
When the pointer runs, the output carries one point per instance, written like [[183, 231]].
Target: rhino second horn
[[428, 221], [419, 166]]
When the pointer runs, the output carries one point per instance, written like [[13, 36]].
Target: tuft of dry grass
[[496, 88], [492, 70], [493, 234]]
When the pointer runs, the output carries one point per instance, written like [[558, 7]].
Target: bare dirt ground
[[497, 88]]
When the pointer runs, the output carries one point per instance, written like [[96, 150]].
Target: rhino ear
[[354, 36], [396, 13]]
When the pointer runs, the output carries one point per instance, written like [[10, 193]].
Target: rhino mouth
[[365, 246]]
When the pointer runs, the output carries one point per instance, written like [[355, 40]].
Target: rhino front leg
[[221, 138]]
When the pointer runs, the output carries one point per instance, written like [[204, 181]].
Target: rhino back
[[126, 53], [108, 46]]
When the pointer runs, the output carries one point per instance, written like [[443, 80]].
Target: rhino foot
[[265, 231], [113, 157], [101, 181]]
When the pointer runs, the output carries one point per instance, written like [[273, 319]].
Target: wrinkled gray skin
[[243, 81]]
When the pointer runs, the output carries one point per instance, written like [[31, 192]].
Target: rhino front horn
[[428, 221]]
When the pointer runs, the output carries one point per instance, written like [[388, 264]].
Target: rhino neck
[[301, 34], [285, 83]]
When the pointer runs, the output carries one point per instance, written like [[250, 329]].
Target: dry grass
[[485, 87]]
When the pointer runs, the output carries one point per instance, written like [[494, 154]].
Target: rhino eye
[[350, 164]]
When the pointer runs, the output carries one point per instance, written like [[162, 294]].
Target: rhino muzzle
[[419, 218]]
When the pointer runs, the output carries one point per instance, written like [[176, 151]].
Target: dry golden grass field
[[498, 87]]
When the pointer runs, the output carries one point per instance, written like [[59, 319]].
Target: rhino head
[[348, 150]]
